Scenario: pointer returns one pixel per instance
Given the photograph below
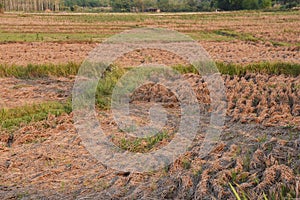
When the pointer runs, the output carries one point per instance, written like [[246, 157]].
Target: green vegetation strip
[[16, 117], [105, 87], [215, 35], [51, 37], [292, 69], [38, 71]]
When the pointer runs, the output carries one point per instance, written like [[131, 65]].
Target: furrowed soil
[[259, 148]]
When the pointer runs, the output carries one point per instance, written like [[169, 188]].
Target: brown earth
[[61, 53], [33, 91], [43, 53]]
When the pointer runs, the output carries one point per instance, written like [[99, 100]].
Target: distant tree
[[139, 4], [291, 3], [205, 5], [265, 3], [121, 5], [163, 5], [224, 4], [236, 4], [243, 4], [191, 5], [250, 4], [150, 3]]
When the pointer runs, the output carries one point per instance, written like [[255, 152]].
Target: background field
[[41, 155]]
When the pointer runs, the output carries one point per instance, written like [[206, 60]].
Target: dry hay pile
[[255, 98], [48, 160]]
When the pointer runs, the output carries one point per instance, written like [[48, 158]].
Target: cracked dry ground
[[258, 151]]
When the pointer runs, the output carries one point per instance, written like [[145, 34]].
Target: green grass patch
[[51, 37], [292, 69], [282, 44], [106, 85], [142, 144], [38, 71], [16, 117], [185, 69], [209, 36], [186, 163], [236, 35]]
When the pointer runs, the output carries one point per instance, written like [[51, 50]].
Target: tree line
[[254, 4], [199, 5], [143, 5], [30, 5]]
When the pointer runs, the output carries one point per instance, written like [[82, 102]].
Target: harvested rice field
[[257, 155]]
